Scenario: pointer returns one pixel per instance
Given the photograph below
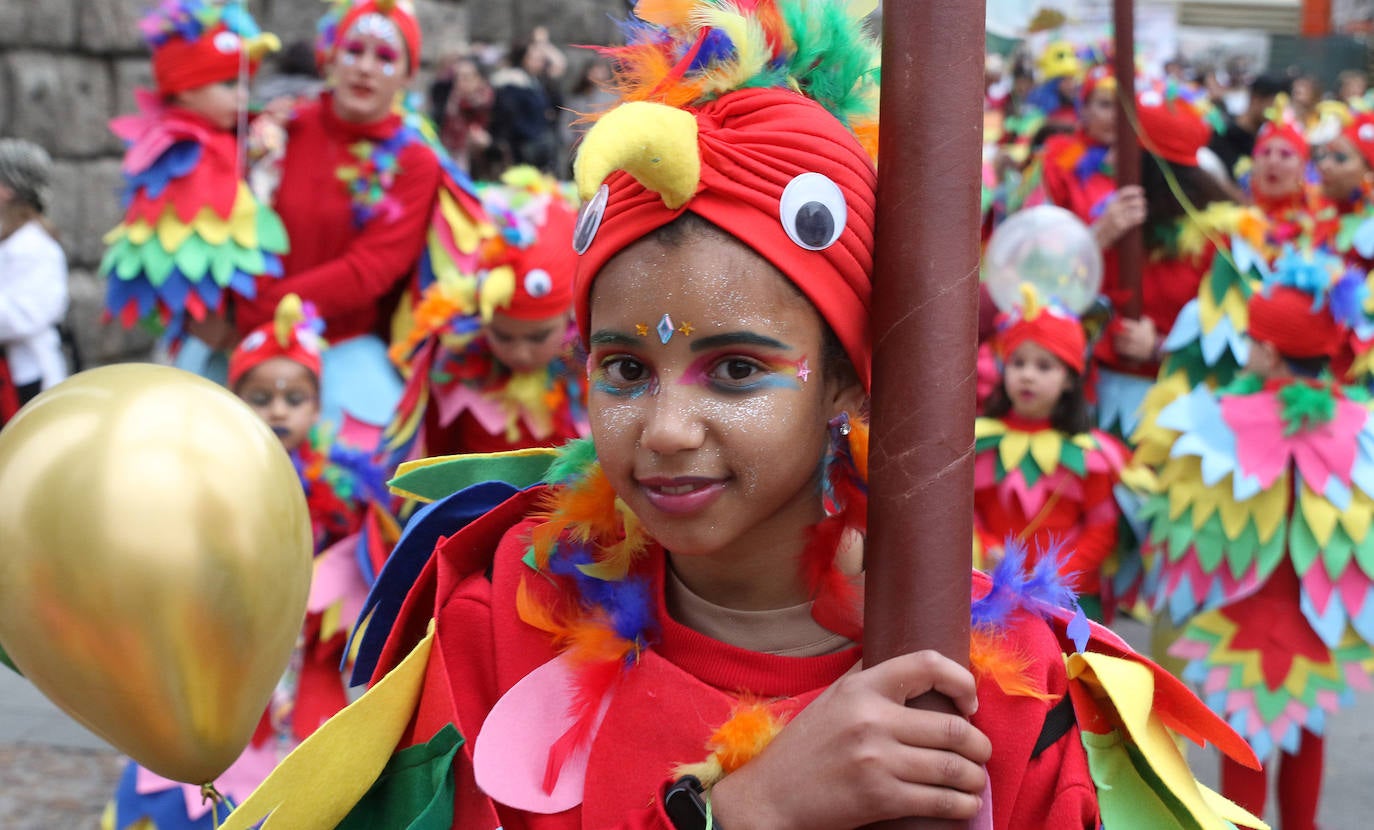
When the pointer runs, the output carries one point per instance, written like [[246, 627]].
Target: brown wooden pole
[[1130, 249], [925, 324]]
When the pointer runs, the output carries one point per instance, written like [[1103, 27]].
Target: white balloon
[[1049, 248]]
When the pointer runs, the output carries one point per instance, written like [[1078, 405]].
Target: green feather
[[574, 458]]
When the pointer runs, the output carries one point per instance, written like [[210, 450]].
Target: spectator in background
[[1303, 95], [522, 116], [590, 96], [1237, 140], [1351, 85], [33, 278], [465, 120], [296, 75]]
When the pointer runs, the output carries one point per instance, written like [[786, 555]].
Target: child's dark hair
[[835, 362], [1311, 368], [1070, 413]]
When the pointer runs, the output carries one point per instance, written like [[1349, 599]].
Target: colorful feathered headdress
[[196, 43], [343, 15], [760, 117], [1046, 324]]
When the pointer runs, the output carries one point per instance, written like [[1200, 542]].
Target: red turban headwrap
[[1060, 335], [752, 144], [1171, 128], [1360, 132], [397, 11], [217, 55], [1284, 317], [544, 270], [290, 335], [1276, 131]]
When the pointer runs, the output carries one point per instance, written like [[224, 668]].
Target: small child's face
[[220, 102], [526, 345], [285, 395], [1278, 170], [715, 437], [1035, 379]]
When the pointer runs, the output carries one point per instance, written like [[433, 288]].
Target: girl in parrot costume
[[1259, 531], [661, 627]]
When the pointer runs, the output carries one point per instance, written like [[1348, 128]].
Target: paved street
[[55, 774]]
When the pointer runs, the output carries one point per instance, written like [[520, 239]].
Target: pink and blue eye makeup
[[733, 363], [388, 57]]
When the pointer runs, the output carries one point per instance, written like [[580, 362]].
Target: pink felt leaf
[[512, 749], [338, 580]]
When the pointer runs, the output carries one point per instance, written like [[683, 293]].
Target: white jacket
[[33, 300]]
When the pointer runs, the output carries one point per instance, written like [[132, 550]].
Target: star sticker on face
[[642, 329], [803, 370], [686, 329]]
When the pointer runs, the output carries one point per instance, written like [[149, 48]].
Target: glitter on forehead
[[380, 27], [665, 329]]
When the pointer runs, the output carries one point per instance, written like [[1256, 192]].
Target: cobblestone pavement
[[50, 787]]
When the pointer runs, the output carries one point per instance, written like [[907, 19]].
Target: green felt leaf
[[1302, 545], [130, 264], [271, 232], [1211, 544], [1336, 555], [415, 789], [5, 659], [250, 261], [1030, 470], [222, 269], [193, 258], [1073, 457], [1364, 554], [157, 263], [1275, 551], [110, 260], [444, 478], [986, 442]]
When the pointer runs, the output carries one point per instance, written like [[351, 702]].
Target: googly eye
[[253, 341], [813, 211], [589, 220], [1151, 98], [227, 43], [1366, 132], [538, 283]]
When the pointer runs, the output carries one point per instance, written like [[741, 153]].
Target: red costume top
[[1071, 504], [1168, 282], [356, 200]]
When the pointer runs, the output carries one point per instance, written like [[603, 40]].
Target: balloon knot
[[209, 793]]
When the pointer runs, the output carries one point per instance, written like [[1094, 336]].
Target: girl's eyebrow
[[737, 338], [613, 338]]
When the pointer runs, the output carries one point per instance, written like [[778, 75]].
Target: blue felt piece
[[1362, 474], [441, 518], [1247, 258], [1079, 630], [119, 292], [245, 285], [179, 159], [1336, 492], [1224, 338], [1120, 397], [1187, 328], [1330, 627], [1363, 622], [166, 809], [1364, 239], [360, 380], [210, 292]]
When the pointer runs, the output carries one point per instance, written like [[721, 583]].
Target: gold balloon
[[155, 559]]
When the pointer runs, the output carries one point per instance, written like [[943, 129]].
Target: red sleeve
[[1097, 539], [380, 257]]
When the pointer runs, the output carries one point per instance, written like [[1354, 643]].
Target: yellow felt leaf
[[1321, 515], [172, 233], [467, 234], [1012, 449], [987, 427], [1270, 508], [1045, 446], [1356, 519], [317, 785], [138, 233], [243, 219], [1130, 688]]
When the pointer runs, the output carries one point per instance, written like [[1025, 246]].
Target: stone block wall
[[68, 66]]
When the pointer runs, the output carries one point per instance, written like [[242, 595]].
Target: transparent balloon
[[1049, 248]]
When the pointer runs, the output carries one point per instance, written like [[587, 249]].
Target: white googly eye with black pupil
[[589, 220], [538, 283], [227, 43], [253, 341], [813, 211]]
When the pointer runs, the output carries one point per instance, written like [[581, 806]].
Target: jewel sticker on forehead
[[380, 27]]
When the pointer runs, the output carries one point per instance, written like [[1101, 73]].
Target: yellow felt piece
[[1209, 312], [1152, 441], [988, 427], [1321, 515], [655, 143], [1012, 448], [331, 621], [496, 292], [1045, 447], [467, 234], [317, 785], [1130, 688], [1140, 478], [1356, 519], [1084, 441], [243, 218], [138, 233], [172, 233], [444, 267], [1270, 508]]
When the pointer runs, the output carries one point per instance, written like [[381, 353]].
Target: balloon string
[[1171, 180], [209, 793]]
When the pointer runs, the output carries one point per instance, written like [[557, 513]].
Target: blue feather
[[1014, 589], [716, 47]]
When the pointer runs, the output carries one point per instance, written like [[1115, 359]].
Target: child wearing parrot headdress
[[193, 232], [276, 372], [661, 627], [1042, 476], [490, 357], [1259, 530]]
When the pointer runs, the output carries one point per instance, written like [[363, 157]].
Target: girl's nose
[[673, 424]]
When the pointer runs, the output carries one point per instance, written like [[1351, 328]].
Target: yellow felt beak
[[655, 143], [260, 45]]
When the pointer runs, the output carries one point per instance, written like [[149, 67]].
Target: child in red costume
[[1042, 476], [491, 358], [665, 635], [193, 234]]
